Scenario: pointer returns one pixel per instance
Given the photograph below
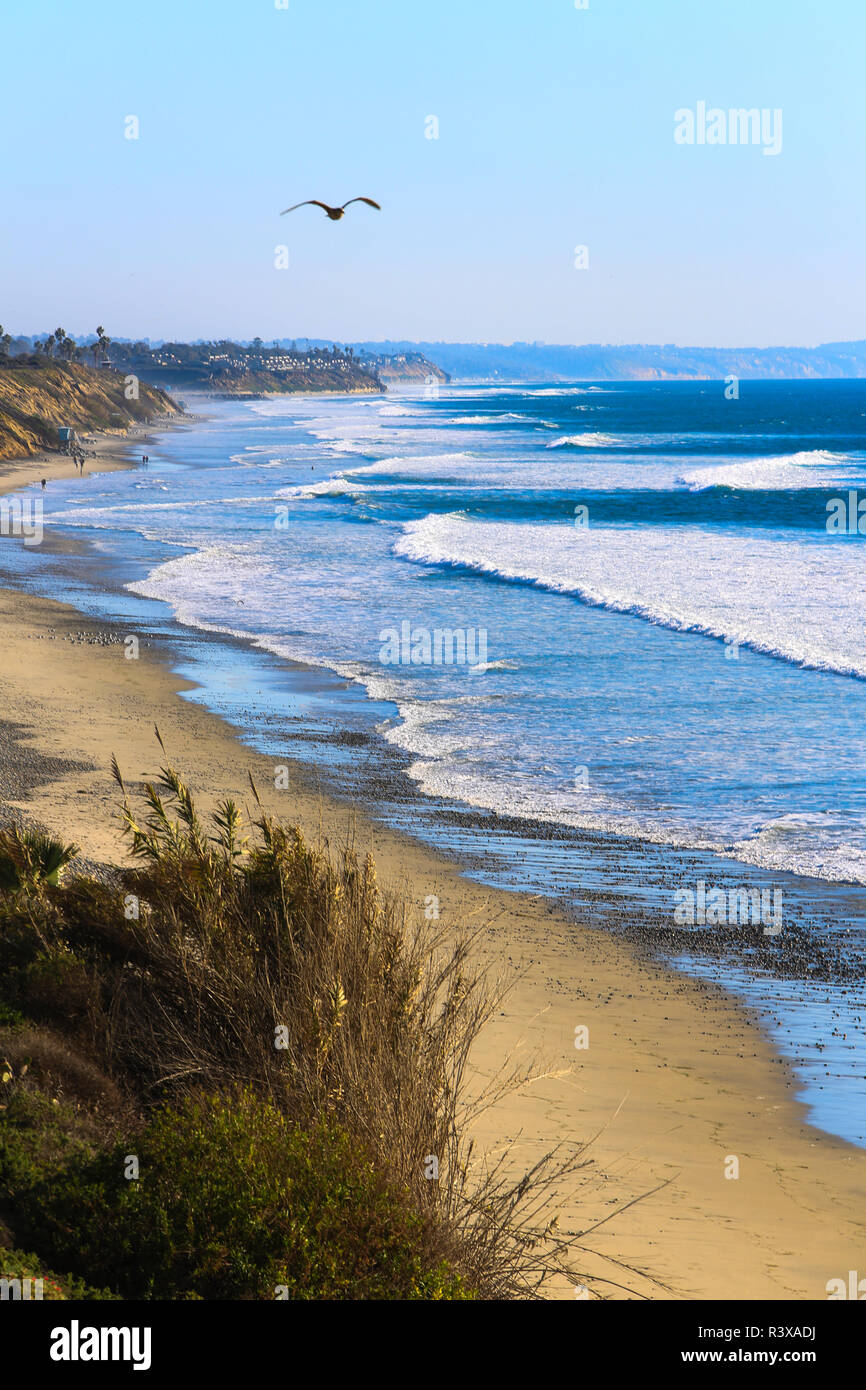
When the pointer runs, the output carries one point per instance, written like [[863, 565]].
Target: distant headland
[[551, 362], [52, 383]]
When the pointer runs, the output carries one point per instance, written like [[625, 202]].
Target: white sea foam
[[814, 843], [480, 472], [417, 465], [589, 440], [486, 419], [142, 508], [441, 769], [338, 486], [802, 599], [565, 391], [478, 419], [496, 666], [815, 468]]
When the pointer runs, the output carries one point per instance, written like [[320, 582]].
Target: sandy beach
[[106, 452], [677, 1077]]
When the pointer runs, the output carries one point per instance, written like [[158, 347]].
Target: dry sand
[[677, 1076], [113, 450]]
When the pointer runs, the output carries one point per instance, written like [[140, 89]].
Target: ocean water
[[656, 639]]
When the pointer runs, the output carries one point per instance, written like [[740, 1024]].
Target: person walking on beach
[[43, 484]]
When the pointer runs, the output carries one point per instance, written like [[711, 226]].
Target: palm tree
[[29, 858], [101, 345]]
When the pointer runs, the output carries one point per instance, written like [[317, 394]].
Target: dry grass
[[237, 955]]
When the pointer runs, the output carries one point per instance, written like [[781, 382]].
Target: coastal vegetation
[[231, 368], [228, 367], [239, 1068]]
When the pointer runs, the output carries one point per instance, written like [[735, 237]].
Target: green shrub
[[54, 986], [38, 1137], [233, 1201], [16, 1264], [11, 1018]]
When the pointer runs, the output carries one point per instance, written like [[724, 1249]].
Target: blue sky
[[555, 130]]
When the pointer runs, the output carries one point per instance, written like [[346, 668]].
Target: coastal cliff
[[38, 398], [406, 368]]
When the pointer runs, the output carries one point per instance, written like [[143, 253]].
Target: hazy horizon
[[320, 339]]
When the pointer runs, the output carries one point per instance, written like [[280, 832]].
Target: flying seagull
[[334, 213]]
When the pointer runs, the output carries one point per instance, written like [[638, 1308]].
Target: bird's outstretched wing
[[310, 202], [368, 201]]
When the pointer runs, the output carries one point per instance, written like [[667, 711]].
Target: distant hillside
[[38, 396], [405, 367], [240, 369], [638, 362]]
